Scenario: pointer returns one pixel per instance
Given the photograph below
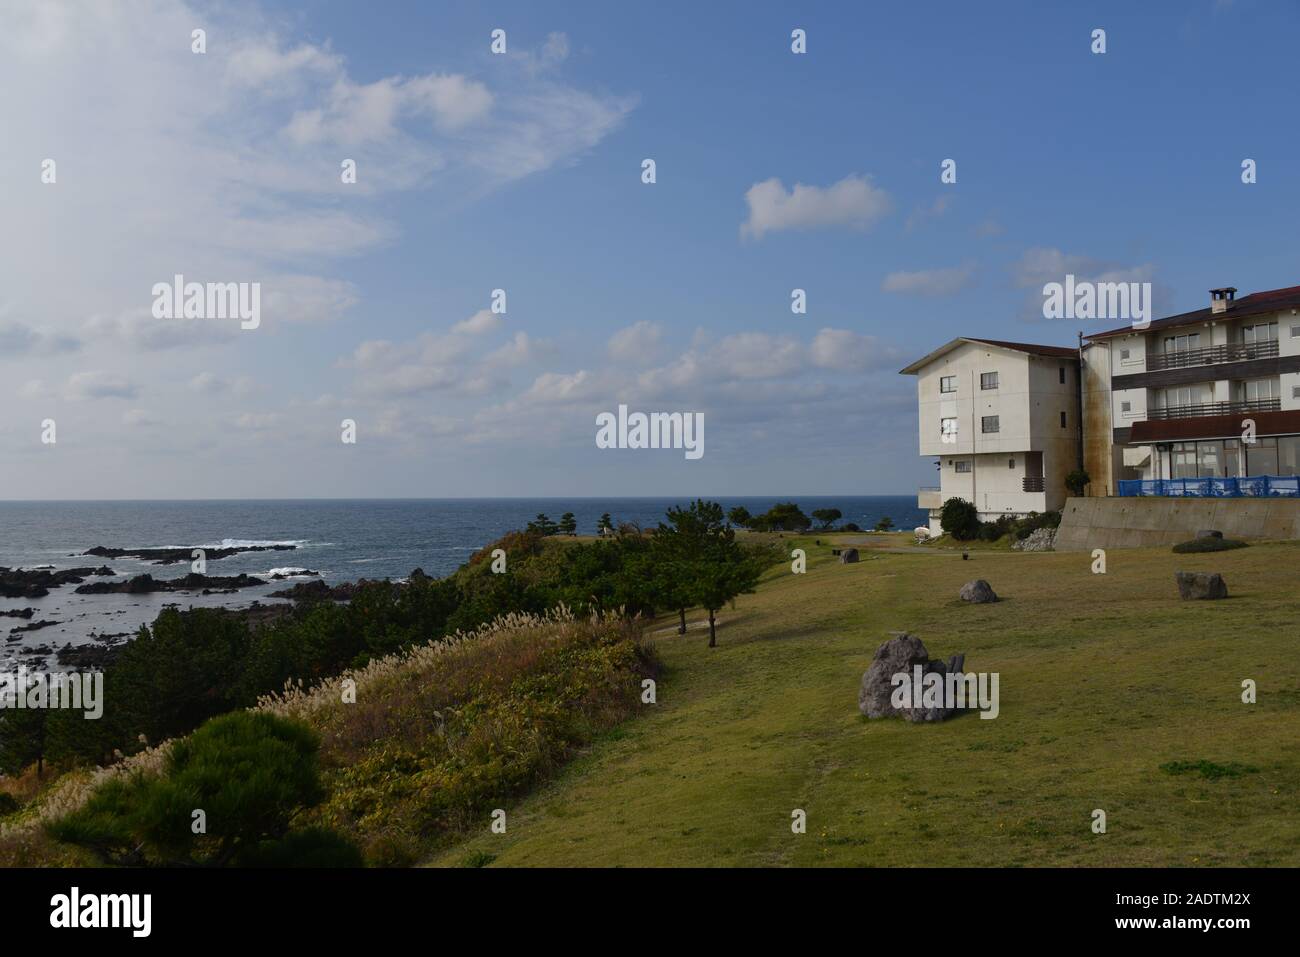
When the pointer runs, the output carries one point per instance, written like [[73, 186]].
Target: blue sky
[[522, 172]]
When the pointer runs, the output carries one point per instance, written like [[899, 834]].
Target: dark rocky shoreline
[[172, 556]]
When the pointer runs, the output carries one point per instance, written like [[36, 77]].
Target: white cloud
[[18, 339], [854, 202], [640, 342], [101, 385], [930, 282], [481, 322]]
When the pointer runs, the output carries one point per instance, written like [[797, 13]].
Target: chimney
[[1221, 299]]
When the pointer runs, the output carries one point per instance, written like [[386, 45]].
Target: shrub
[[8, 803], [1077, 481], [248, 773], [1208, 545], [960, 519]]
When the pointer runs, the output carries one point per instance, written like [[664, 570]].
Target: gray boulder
[[848, 556], [1200, 585], [901, 655], [979, 591], [1209, 533]]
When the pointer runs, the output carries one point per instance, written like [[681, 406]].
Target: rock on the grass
[[901, 655], [979, 591], [1039, 540], [1192, 585], [1209, 533], [848, 556]]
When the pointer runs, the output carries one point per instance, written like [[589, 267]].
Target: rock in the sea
[[979, 591], [848, 556], [144, 584], [902, 654], [1207, 585]]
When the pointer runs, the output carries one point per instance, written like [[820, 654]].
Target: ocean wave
[[290, 571], [255, 543]]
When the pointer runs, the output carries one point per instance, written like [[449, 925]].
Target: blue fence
[[1257, 486]]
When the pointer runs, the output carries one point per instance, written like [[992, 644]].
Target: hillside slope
[[1104, 678]]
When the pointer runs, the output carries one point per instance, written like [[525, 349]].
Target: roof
[[1052, 352], [1256, 304]]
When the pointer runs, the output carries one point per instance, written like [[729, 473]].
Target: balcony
[[1214, 355], [1033, 483], [929, 497], [1215, 408]]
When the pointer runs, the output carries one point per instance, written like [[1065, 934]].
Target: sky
[[522, 171]]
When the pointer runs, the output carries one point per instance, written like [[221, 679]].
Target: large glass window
[[1288, 455], [988, 380], [1182, 460], [1183, 343], [1232, 458], [989, 423], [1259, 332], [948, 383], [1260, 390], [1261, 457], [1209, 459]]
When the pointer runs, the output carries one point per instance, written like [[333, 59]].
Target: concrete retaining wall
[[1088, 523]]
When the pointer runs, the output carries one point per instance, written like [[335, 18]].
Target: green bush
[[1208, 545], [8, 803], [244, 775], [960, 519], [310, 847]]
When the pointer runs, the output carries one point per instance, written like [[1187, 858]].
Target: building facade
[[1003, 422], [1202, 403]]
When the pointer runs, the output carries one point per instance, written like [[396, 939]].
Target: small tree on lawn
[[827, 516], [960, 519], [723, 571], [885, 524], [568, 524], [676, 546], [739, 516], [605, 526]]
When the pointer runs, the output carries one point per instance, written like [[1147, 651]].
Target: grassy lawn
[[1104, 678]]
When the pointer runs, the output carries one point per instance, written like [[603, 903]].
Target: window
[[1259, 332], [1062, 420], [988, 380], [1288, 455], [989, 423], [963, 466], [1011, 463], [1209, 459], [1123, 354], [1062, 372], [1295, 391], [1183, 343], [948, 383], [1182, 460], [948, 427], [1126, 406], [1232, 458], [1295, 332], [1261, 390], [1261, 457]]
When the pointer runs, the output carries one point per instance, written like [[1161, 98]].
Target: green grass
[[1107, 682]]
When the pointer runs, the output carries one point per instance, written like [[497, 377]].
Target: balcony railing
[[1033, 483], [1214, 408], [1256, 486], [1213, 355]]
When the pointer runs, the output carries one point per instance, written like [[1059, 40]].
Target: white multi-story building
[[1208, 398], [1002, 420]]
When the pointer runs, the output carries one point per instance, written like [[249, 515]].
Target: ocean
[[343, 540]]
